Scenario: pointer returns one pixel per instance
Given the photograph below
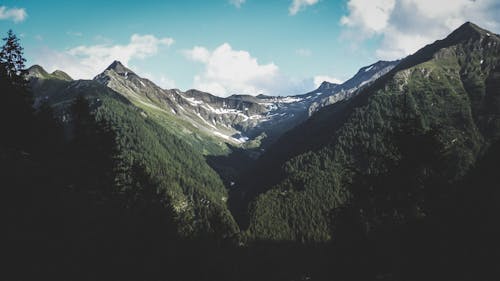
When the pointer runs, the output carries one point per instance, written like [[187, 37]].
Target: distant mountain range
[[238, 120]]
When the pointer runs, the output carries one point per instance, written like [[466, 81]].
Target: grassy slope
[[207, 145]]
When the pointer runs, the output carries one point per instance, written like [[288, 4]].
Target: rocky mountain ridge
[[237, 119]]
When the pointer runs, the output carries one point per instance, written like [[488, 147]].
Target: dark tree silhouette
[[16, 98], [12, 59], [93, 149]]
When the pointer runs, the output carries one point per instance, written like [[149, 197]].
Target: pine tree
[[12, 59], [16, 97]]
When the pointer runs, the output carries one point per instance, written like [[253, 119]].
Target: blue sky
[[234, 46]]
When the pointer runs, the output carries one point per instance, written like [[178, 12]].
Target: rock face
[[332, 93]]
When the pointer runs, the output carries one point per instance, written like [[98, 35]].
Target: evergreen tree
[[12, 59], [16, 97]]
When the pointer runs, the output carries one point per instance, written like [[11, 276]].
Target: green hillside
[[445, 94], [194, 190]]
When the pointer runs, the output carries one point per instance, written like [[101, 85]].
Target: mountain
[[211, 125], [391, 175], [445, 95], [235, 119], [208, 122], [193, 190], [332, 93], [36, 71]]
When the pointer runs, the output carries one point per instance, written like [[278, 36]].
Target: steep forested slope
[[193, 189], [445, 95]]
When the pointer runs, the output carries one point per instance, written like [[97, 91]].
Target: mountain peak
[[61, 75], [470, 26], [37, 71], [118, 67], [327, 85], [466, 31]]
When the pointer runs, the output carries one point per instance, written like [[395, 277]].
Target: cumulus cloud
[[369, 15], [407, 25], [322, 78], [298, 5], [199, 54], [160, 80], [14, 14], [228, 71], [84, 62], [237, 3]]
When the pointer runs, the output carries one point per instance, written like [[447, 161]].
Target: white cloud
[[298, 5], [321, 78], [14, 14], [161, 80], [370, 15], [407, 25], [237, 3], [303, 52], [200, 54], [166, 83], [84, 62], [228, 71]]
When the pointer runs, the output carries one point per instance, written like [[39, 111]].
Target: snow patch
[[290, 100], [224, 136], [192, 101], [369, 68], [243, 139], [205, 121]]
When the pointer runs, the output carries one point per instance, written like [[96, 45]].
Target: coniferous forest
[[400, 181]]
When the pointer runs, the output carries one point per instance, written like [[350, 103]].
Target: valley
[[390, 175]]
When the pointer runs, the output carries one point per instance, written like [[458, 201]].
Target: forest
[[390, 188]]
